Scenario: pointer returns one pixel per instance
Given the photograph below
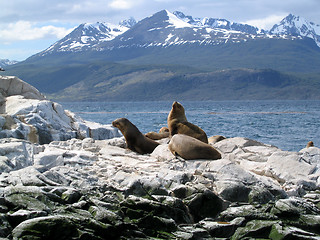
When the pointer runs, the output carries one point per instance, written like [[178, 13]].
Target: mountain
[[162, 29], [88, 36], [297, 26], [161, 84], [7, 62], [170, 48]]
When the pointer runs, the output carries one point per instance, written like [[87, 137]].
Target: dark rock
[[22, 215], [192, 233], [63, 227], [174, 209], [249, 212], [5, 227], [294, 207], [309, 222], [235, 192], [286, 232], [28, 202], [143, 189], [260, 195], [155, 224], [254, 229], [103, 215], [222, 229], [182, 191], [71, 196], [203, 205]]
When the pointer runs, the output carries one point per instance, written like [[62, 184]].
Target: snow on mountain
[[297, 26], [177, 22], [89, 35], [7, 62], [164, 29], [218, 23]]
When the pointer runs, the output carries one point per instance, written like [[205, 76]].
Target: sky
[[30, 26]]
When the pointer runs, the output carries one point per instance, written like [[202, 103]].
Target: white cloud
[[121, 4], [266, 23], [25, 30]]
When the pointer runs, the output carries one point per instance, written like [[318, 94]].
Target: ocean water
[[288, 125]]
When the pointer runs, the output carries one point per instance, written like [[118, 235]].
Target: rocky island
[[65, 178]]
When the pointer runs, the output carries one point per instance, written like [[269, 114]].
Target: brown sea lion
[[310, 144], [191, 148], [135, 140], [163, 129], [215, 139], [178, 124], [163, 133]]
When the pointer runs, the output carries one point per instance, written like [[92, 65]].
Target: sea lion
[[178, 123], [215, 139], [310, 144], [135, 140], [191, 148], [163, 129], [163, 133]]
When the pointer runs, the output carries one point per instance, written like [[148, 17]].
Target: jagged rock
[[11, 86], [222, 229], [22, 215], [63, 227], [294, 207], [286, 232], [5, 227], [254, 229], [249, 212], [206, 204], [192, 232], [26, 114]]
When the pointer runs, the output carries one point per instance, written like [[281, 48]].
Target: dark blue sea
[[288, 125]]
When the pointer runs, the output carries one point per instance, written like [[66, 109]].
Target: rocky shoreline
[[64, 178]]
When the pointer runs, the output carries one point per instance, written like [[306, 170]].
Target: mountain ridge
[[184, 29], [135, 54]]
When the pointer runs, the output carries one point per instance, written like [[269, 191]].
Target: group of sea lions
[[186, 139]]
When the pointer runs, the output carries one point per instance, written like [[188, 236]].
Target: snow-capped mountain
[[164, 29], [218, 23], [7, 62], [297, 26], [89, 35]]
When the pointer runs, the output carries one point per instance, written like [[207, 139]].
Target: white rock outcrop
[[26, 114]]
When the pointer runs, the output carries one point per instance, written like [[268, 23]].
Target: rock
[[63, 227], [286, 232], [233, 191], [222, 229], [11, 86], [192, 232], [26, 114], [22, 215], [5, 227], [294, 207], [206, 204], [71, 196], [249, 212], [103, 215], [254, 229]]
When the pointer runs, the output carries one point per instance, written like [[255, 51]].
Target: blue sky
[[28, 27]]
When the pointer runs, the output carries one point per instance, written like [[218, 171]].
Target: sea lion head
[[122, 124], [177, 112], [163, 129], [310, 144]]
